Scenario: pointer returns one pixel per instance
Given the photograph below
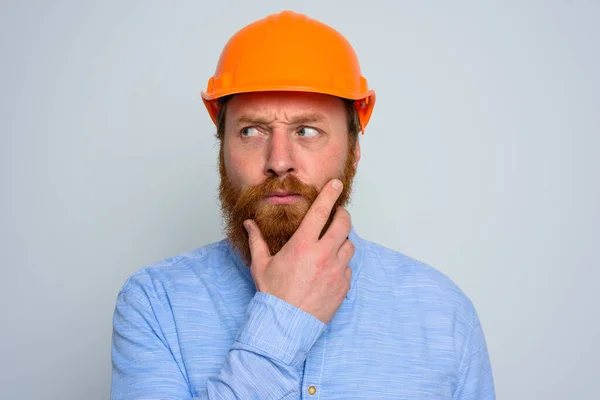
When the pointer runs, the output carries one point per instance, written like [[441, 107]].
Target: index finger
[[318, 214]]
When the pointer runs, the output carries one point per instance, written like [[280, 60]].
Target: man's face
[[279, 149]]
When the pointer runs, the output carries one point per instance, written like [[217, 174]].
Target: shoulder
[[420, 296], [415, 279], [179, 271]]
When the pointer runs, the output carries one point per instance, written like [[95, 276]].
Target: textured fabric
[[193, 326]]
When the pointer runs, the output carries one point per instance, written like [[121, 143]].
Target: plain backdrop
[[482, 159]]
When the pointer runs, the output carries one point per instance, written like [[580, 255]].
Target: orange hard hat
[[289, 52]]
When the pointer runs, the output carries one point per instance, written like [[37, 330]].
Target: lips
[[282, 193], [283, 197]]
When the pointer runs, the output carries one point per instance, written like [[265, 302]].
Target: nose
[[280, 159]]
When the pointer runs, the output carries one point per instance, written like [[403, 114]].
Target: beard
[[277, 222]]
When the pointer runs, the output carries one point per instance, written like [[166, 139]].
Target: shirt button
[[312, 390]]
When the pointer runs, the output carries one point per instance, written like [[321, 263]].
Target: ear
[[356, 153]]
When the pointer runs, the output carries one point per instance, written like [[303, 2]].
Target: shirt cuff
[[277, 329]]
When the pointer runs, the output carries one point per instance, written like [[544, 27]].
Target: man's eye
[[306, 131], [250, 131]]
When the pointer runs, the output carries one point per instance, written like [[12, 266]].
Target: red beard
[[277, 222]]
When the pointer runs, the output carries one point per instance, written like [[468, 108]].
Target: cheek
[[325, 166], [243, 170]]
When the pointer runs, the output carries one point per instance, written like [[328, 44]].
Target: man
[[293, 304]]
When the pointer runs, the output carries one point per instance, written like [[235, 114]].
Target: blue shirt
[[194, 326]]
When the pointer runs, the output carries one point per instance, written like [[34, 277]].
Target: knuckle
[[299, 247], [253, 243], [348, 273], [344, 218], [322, 212], [324, 260], [343, 288], [350, 246], [350, 250]]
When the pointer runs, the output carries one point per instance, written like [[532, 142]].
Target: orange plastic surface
[[289, 52]]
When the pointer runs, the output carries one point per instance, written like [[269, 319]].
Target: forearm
[[265, 361], [267, 357]]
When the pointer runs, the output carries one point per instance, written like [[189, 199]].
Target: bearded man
[[293, 303]]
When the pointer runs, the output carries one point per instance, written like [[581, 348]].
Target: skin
[[274, 133], [305, 134]]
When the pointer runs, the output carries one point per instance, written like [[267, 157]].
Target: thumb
[[258, 248]]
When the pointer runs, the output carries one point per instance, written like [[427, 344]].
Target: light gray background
[[481, 159]]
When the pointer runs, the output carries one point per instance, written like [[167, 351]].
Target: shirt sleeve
[[475, 375], [264, 362]]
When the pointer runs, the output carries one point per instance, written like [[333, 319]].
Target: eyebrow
[[296, 120]]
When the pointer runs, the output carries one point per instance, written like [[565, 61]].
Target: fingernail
[[337, 184], [246, 226]]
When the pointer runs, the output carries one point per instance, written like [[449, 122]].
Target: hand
[[309, 273]]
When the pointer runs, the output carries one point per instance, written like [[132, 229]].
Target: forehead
[[286, 105]]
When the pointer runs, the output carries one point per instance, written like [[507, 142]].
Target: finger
[[258, 247], [346, 252], [348, 273], [319, 212], [338, 231]]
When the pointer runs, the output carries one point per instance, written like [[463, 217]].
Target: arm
[[475, 375], [300, 289], [264, 362]]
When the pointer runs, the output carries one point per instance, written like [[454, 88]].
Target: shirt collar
[[355, 262]]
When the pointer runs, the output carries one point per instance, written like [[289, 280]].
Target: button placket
[[313, 369]]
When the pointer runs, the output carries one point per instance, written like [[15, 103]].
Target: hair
[[351, 114]]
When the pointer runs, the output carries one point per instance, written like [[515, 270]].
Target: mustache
[[277, 222], [289, 183]]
